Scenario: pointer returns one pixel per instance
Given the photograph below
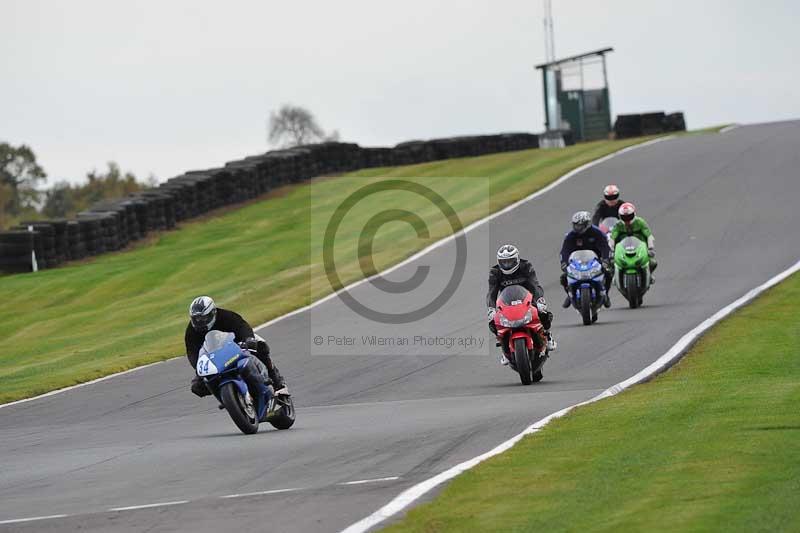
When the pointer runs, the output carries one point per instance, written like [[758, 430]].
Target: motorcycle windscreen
[[216, 340], [513, 295], [583, 257], [630, 244], [608, 223]]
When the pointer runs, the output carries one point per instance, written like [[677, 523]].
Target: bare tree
[[295, 126]]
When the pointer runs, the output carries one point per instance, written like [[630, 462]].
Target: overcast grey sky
[[167, 86]]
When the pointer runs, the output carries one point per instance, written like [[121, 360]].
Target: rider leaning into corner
[[511, 270], [632, 225], [585, 236], [608, 206], [204, 316]]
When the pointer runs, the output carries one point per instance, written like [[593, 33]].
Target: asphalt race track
[[723, 208]]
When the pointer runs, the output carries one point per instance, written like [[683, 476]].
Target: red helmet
[[627, 212], [611, 193]]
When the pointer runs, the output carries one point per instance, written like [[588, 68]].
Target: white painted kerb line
[[408, 496], [726, 129], [414, 257], [149, 505], [33, 518]]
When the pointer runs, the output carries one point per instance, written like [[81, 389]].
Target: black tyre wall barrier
[[113, 224], [648, 124]]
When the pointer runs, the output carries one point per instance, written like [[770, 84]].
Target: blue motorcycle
[[586, 284], [222, 364]]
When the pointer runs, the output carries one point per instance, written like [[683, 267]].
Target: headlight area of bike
[[584, 272], [516, 323]]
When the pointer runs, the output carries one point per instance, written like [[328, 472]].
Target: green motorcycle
[[632, 272]]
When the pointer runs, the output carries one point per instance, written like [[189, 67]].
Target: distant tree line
[[65, 199], [21, 195]]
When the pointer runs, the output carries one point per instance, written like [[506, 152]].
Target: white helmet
[[581, 221], [627, 212], [203, 313], [508, 258]]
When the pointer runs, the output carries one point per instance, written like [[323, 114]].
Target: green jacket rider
[[630, 225]]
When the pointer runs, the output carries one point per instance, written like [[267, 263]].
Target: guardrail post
[[34, 264]]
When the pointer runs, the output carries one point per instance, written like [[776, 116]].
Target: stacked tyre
[[16, 249], [90, 235], [76, 249]]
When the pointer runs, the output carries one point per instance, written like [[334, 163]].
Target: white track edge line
[[375, 480], [408, 496], [259, 493], [148, 506], [732, 127], [414, 257], [33, 518], [79, 385]]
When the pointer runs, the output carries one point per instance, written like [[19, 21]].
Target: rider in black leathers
[[511, 270], [608, 206], [205, 316]]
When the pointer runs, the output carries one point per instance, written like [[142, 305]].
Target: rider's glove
[[608, 265], [199, 387], [251, 343], [563, 267], [490, 312], [541, 305], [651, 252]]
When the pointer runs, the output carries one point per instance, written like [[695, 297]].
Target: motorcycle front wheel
[[632, 289], [523, 361], [586, 305], [243, 415]]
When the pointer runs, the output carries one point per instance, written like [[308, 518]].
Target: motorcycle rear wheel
[[235, 405], [523, 361], [285, 418]]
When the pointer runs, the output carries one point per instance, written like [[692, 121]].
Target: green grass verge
[[73, 324], [711, 445]]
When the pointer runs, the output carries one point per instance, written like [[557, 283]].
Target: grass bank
[[711, 445], [73, 324]]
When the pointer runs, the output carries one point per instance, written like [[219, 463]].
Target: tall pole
[[549, 32], [553, 120]]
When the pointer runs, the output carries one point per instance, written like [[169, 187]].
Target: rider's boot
[[552, 345], [277, 380], [567, 302], [653, 266], [275, 376], [607, 300]]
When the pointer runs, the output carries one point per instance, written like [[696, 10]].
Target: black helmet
[[203, 313]]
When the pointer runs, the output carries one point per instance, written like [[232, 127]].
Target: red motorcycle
[[520, 333]]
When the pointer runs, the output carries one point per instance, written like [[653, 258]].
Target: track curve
[[722, 208]]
